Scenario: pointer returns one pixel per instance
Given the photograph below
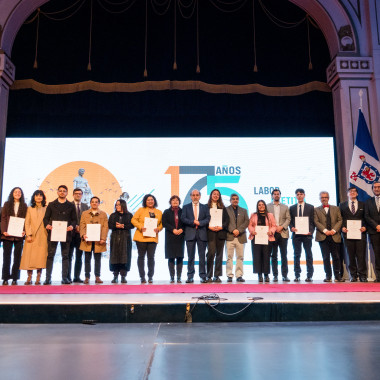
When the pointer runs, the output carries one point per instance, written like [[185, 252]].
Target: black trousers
[[261, 257], [74, 246], [175, 262], [375, 242], [7, 255], [119, 268], [329, 247], [306, 241], [356, 250], [191, 245], [147, 249], [52, 248], [87, 263], [281, 243], [215, 252]]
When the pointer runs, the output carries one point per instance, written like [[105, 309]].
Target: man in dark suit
[[328, 221], [302, 209], [356, 248], [196, 218], [372, 218], [75, 239], [236, 238]]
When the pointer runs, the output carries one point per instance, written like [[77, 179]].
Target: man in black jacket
[[59, 210]]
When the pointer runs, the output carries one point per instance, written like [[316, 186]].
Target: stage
[[161, 302]]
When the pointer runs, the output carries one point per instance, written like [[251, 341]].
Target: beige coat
[[34, 254], [99, 218]]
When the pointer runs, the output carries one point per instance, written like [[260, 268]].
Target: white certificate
[[216, 217], [302, 225], [262, 235], [15, 226], [150, 224], [59, 231], [353, 229], [93, 232]]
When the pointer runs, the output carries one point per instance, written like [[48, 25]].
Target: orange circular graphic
[[92, 178]]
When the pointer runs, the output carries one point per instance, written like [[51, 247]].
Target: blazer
[[5, 216], [222, 234], [270, 221], [307, 211], [138, 221], [187, 218], [88, 218], [83, 207], [320, 221], [284, 219], [240, 224], [346, 213], [372, 216]]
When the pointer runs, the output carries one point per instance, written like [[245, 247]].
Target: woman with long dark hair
[[120, 224], [174, 238], [261, 252], [216, 238], [14, 206], [35, 250]]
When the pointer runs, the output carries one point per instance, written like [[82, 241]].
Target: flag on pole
[[365, 165]]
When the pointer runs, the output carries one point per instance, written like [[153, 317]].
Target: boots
[[123, 279], [29, 279], [38, 278], [115, 279], [98, 280]]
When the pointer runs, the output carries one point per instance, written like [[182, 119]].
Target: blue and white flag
[[365, 165]]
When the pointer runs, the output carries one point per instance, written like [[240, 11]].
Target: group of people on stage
[[211, 227]]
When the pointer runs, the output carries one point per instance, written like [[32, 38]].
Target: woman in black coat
[[174, 238], [120, 224]]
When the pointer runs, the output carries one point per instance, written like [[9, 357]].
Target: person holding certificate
[[174, 238], [60, 219], [261, 227], [354, 235], [35, 250], [12, 227], [121, 243], [216, 236], [148, 223], [93, 229], [328, 221], [302, 226]]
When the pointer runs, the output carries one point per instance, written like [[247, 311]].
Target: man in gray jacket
[[236, 238], [282, 216]]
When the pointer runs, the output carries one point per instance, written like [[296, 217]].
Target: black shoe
[[363, 279], [376, 280], [124, 280], [65, 281], [216, 279], [115, 280], [240, 279], [179, 280], [229, 279], [266, 278], [275, 278], [297, 279], [150, 280], [14, 282], [78, 280], [339, 279], [209, 279], [47, 282], [69, 278], [286, 279], [260, 278], [143, 281], [354, 279], [327, 279], [204, 280], [189, 281], [5, 282], [172, 280], [309, 279]]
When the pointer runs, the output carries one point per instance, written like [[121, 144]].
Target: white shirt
[[276, 212], [16, 205], [197, 210], [302, 207], [355, 205]]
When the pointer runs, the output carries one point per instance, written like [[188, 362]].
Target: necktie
[[300, 211], [195, 211], [78, 211], [378, 203], [353, 207]]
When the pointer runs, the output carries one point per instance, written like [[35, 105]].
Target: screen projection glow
[[251, 167]]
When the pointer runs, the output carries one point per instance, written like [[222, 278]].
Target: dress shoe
[[189, 281], [179, 280], [150, 280], [309, 279], [124, 280], [363, 279], [86, 281], [5, 282], [172, 280], [204, 280], [69, 278], [260, 276], [376, 280], [14, 282], [229, 279], [143, 281], [47, 281], [216, 279], [339, 279], [354, 279], [98, 280], [275, 278], [286, 279], [327, 279], [65, 281], [240, 279], [266, 278], [209, 279], [115, 280], [297, 279], [80, 281]]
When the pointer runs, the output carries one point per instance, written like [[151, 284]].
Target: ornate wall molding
[[7, 69]]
